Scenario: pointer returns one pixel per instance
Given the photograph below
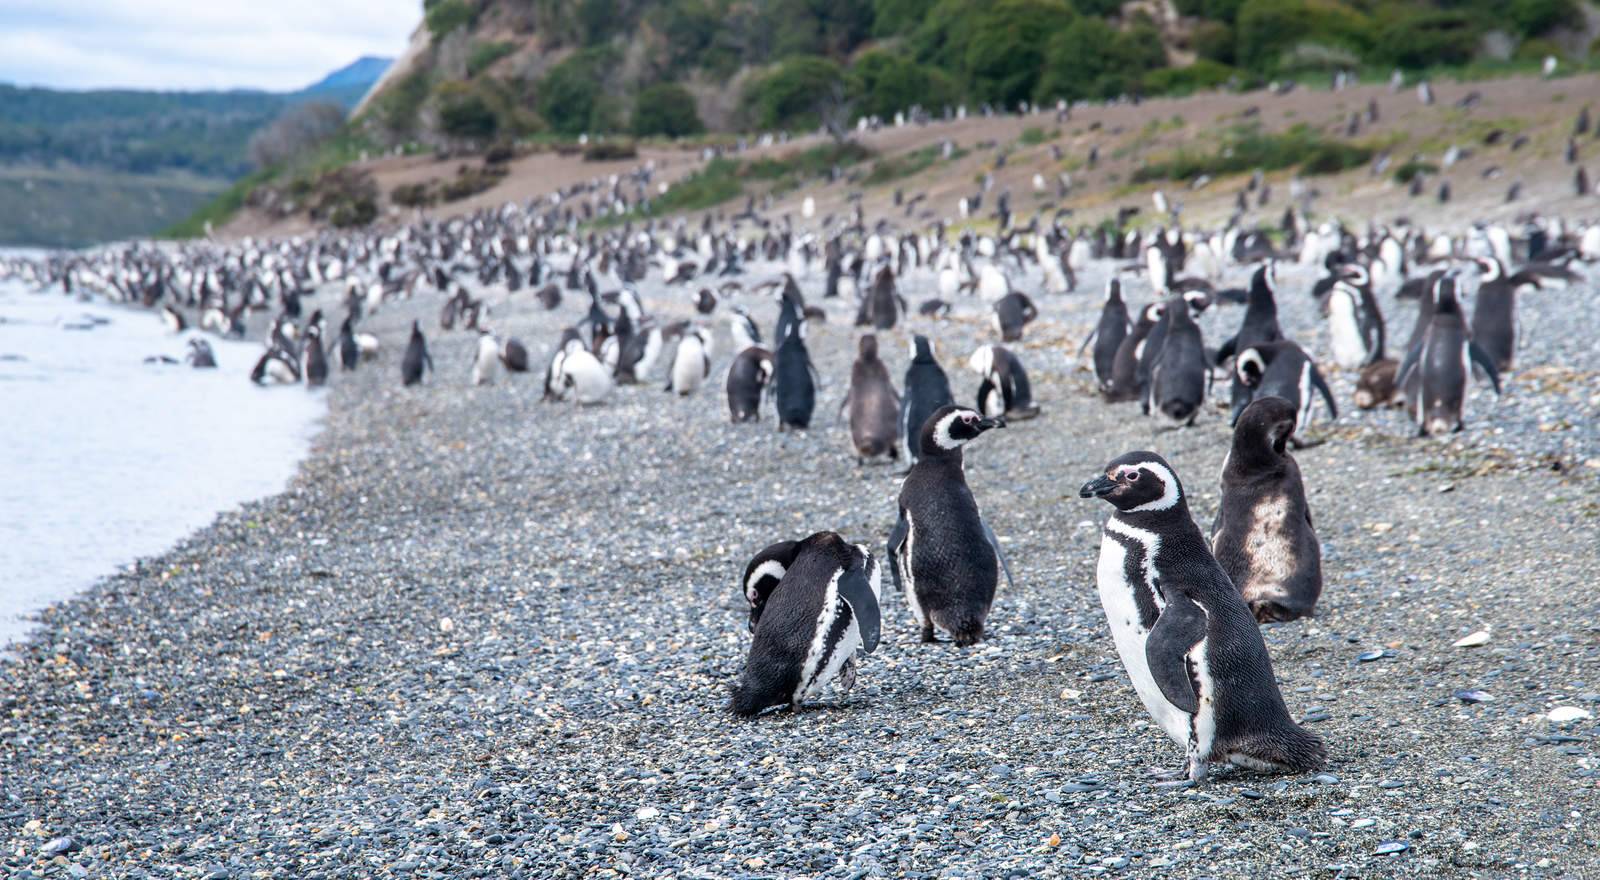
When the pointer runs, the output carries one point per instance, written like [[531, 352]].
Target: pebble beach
[[484, 636]]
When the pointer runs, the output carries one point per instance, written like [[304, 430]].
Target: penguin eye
[[1133, 476]]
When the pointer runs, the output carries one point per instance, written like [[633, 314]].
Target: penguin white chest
[[688, 368], [1128, 631], [1349, 349]]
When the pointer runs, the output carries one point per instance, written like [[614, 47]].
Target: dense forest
[[673, 67]]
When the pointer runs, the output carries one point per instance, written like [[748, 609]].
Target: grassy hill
[[90, 166], [487, 69]]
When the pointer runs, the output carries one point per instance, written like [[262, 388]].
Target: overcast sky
[[195, 44]]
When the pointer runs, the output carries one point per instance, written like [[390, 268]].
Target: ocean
[[105, 459]]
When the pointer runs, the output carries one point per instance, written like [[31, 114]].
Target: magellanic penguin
[[945, 559], [1125, 365], [873, 404], [812, 603], [200, 355], [349, 348], [1003, 389], [882, 305], [1260, 322], [416, 357], [577, 374], [1179, 376], [1012, 312], [794, 387], [927, 388], [1188, 641], [1280, 369], [1108, 334], [748, 375], [514, 355], [1355, 326], [1494, 311], [692, 363], [314, 361], [1263, 536], [1377, 386], [487, 362], [1435, 373]]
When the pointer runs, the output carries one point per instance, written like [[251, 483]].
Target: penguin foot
[[927, 635], [1198, 770], [847, 676]]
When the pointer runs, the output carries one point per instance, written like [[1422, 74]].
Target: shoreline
[[281, 692]]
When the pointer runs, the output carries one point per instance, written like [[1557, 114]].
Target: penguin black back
[[416, 357], [796, 392], [927, 388]]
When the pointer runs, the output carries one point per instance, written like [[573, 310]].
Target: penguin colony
[[1182, 606]]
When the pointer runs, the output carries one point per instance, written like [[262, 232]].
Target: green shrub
[[1247, 150], [1413, 168], [412, 195], [1006, 49], [570, 94], [791, 96], [1415, 40], [883, 83], [1536, 50], [667, 110], [1197, 77], [609, 150], [444, 16], [396, 108], [463, 113], [484, 55], [711, 185], [1535, 17], [1091, 59], [1213, 41], [814, 162]]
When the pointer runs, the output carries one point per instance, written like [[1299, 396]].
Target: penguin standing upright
[[1188, 641], [1178, 378], [1280, 369], [748, 375], [416, 357], [927, 388], [1494, 312], [1262, 536], [1003, 389], [514, 355], [873, 404], [487, 362], [812, 603], [1108, 334], [945, 560], [692, 363], [794, 391], [1012, 312], [1355, 327], [1435, 373], [1125, 366], [314, 361], [349, 348], [882, 305]]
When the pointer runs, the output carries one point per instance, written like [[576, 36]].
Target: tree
[[666, 109], [570, 93], [463, 113], [297, 131], [1091, 59], [884, 82], [1006, 51], [793, 93]]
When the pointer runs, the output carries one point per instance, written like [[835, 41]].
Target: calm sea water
[[104, 459]]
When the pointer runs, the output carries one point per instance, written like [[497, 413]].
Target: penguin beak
[[1099, 487], [986, 424]]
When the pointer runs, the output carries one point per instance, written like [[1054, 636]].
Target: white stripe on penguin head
[[1169, 482]]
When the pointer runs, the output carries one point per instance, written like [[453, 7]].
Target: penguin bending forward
[[944, 558], [1262, 536], [1190, 645], [812, 603]]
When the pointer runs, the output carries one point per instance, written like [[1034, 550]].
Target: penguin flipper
[[1181, 626], [1226, 349], [1407, 365], [1322, 387], [897, 539], [1484, 362], [1088, 340], [995, 543], [857, 593]]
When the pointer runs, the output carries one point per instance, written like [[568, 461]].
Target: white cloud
[[194, 44]]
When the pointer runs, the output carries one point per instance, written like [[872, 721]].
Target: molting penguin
[[812, 603], [487, 362], [1280, 369], [945, 560], [927, 389], [1377, 385], [692, 363], [416, 357], [1262, 536], [1188, 641], [1179, 376], [748, 375], [1003, 389], [1108, 335], [1012, 312], [1435, 373], [874, 406], [882, 305], [794, 388]]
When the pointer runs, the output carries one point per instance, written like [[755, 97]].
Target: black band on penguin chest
[[1133, 572]]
